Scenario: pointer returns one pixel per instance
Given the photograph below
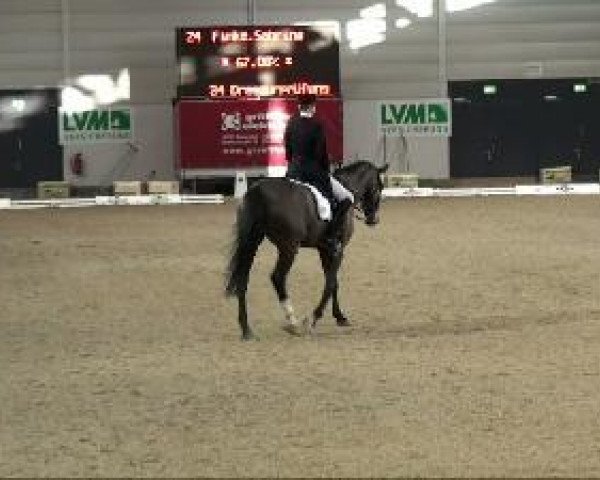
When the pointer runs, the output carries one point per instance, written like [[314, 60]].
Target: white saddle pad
[[323, 205]]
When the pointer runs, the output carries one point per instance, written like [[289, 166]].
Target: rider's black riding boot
[[333, 234]]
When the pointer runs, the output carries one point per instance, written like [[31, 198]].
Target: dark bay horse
[[286, 213]]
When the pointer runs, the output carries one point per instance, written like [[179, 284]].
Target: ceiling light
[[18, 104], [460, 5], [420, 8], [402, 22], [374, 11]]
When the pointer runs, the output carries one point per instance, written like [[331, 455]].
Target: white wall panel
[[26, 43], [142, 7], [373, 72], [16, 7], [17, 79], [9, 62], [512, 70], [522, 51], [355, 90], [29, 22], [109, 59], [155, 85], [421, 155], [500, 39], [104, 163], [525, 32]]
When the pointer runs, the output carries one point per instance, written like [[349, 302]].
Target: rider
[[306, 153]]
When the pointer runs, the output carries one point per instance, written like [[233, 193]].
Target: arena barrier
[[176, 199], [168, 199], [554, 189]]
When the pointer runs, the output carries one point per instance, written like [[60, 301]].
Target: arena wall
[[48, 42]]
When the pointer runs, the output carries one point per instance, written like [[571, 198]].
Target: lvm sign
[[96, 126], [427, 117]]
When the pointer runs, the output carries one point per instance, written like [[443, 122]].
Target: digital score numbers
[[257, 61], [260, 61]]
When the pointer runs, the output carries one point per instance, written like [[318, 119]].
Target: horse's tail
[[247, 236]]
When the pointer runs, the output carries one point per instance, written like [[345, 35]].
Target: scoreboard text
[[257, 61]]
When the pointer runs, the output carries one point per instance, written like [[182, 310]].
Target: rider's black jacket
[[306, 153]]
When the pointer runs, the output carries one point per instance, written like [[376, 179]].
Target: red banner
[[245, 133]]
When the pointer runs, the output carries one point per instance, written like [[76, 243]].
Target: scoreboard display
[[238, 62]]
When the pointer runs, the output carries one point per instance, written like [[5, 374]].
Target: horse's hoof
[[247, 336], [343, 322], [292, 329], [309, 324]]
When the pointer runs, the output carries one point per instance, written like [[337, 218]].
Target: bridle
[[358, 212]]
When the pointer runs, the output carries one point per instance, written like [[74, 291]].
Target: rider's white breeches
[[340, 192]]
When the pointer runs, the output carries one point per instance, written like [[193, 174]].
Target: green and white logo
[[94, 126], [430, 117]]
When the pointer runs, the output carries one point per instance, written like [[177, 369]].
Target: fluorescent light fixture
[[420, 8], [18, 104], [123, 85], [17, 107], [460, 5], [490, 89], [14, 110], [74, 100], [402, 22], [550, 98], [103, 89], [376, 10], [330, 32], [325, 27], [365, 31], [366, 40], [460, 100], [579, 87]]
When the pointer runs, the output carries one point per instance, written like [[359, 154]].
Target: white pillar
[[251, 11], [443, 74], [442, 49], [66, 19]]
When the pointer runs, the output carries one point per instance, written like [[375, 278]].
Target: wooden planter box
[[128, 188], [401, 180], [555, 175], [163, 187], [53, 190]]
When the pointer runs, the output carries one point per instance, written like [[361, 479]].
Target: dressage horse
[[285, 212]]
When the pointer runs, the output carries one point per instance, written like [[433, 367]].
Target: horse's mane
[[354, 166], [352, 175]]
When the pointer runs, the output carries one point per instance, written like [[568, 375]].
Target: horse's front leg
[[339, 316], [331, 265]]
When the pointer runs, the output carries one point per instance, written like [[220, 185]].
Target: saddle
[[323, 205]]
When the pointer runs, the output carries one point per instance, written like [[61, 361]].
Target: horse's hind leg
[[239, 272], [285, 259], [243, 317]]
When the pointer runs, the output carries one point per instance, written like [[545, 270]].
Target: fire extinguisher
[[77, 164]]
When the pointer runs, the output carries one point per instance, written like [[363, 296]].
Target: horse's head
[[371, 198], [364, 180]]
